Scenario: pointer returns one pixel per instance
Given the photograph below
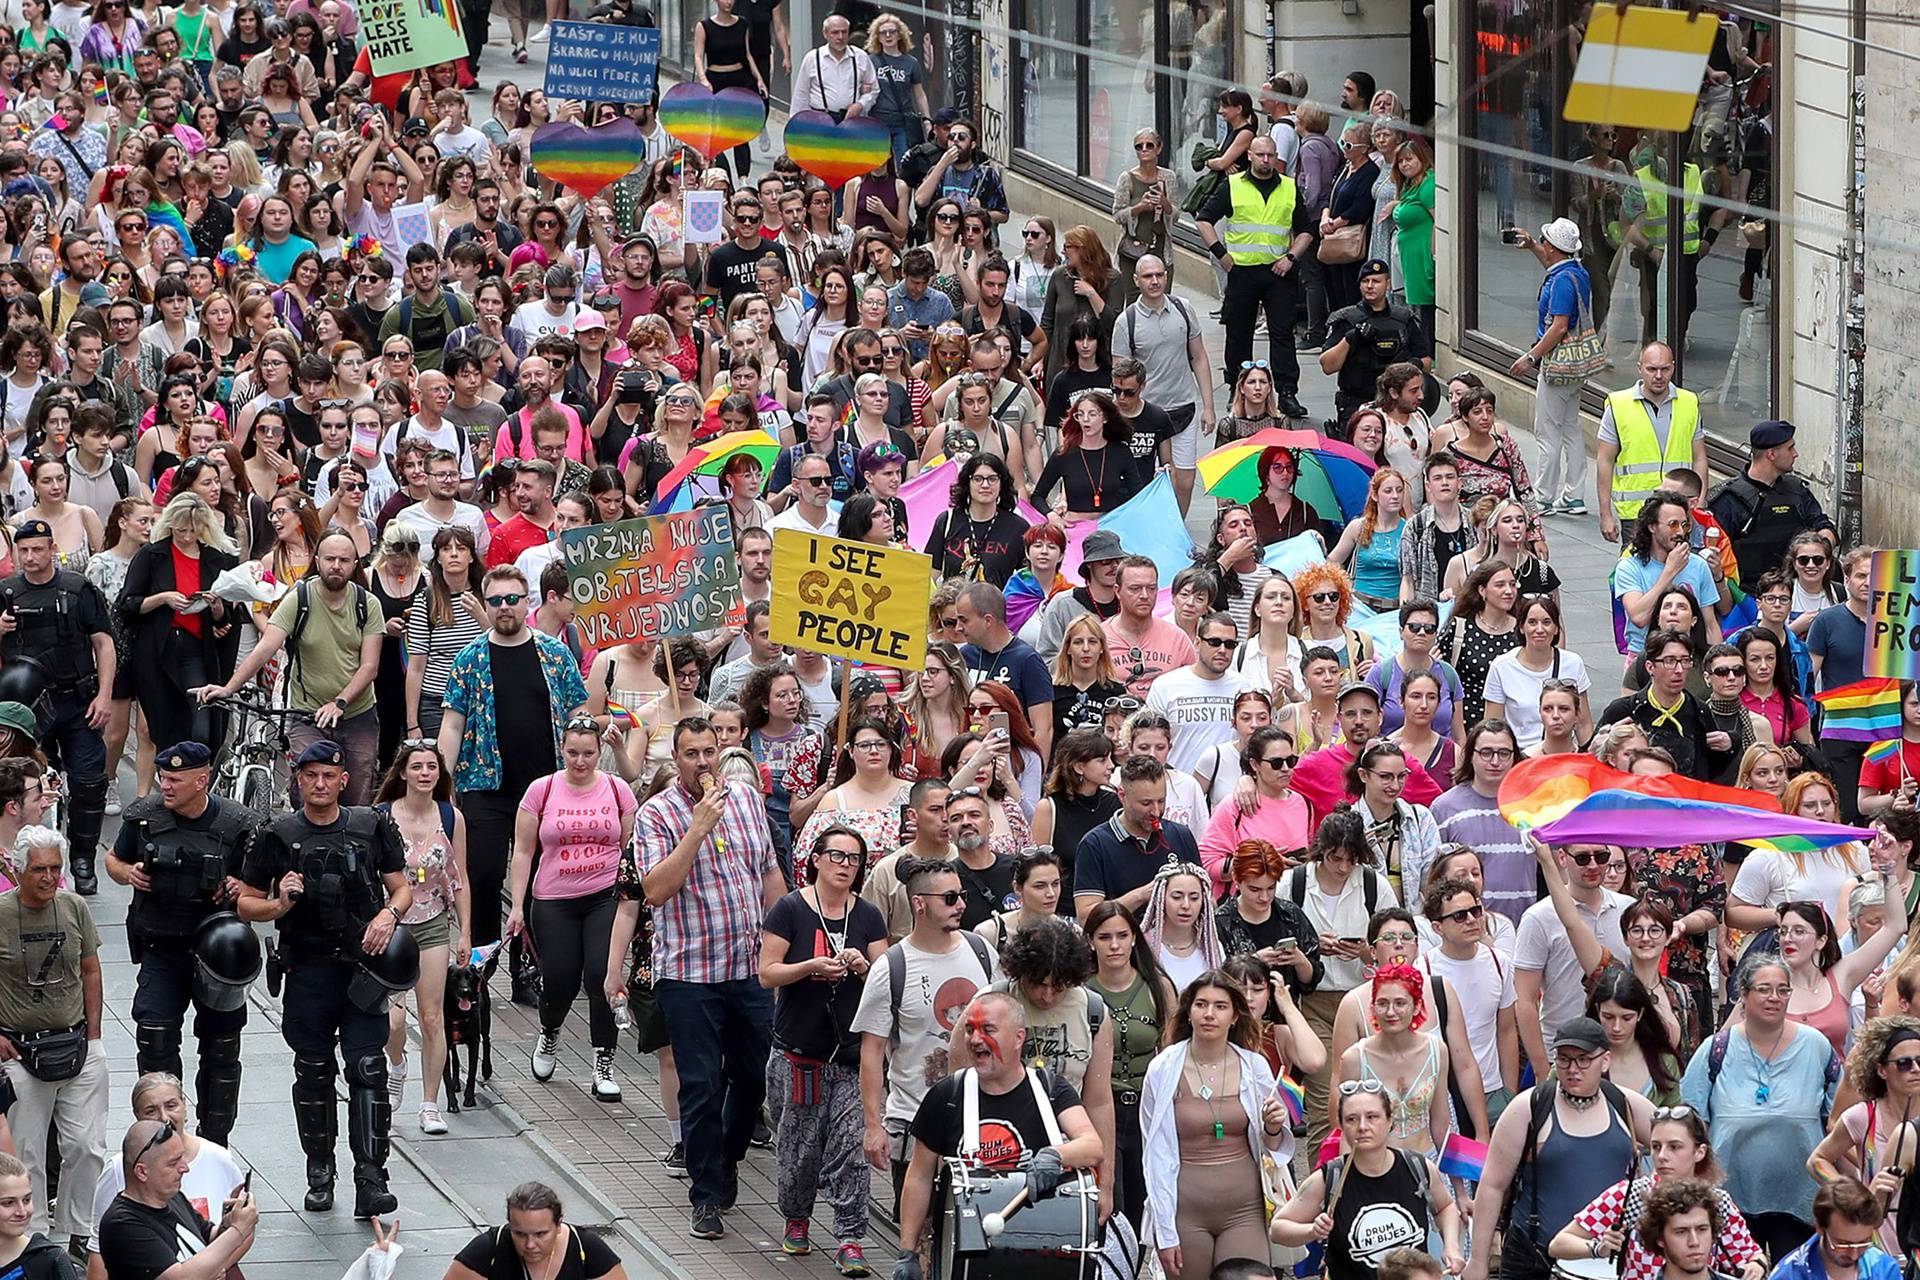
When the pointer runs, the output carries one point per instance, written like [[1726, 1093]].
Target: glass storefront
[[1673, 269]]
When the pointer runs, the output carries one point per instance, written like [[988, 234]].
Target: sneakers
[[396, 1082], [540, 36], [1573, 507], [795, 1242], [851, 1259], [676, 1160], [605, 1087], [706, 1224], [113, 793], [519, 53], [546, 1052], [430, 1119], [762, 1135]]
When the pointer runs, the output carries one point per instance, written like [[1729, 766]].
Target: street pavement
[[606, 1160]]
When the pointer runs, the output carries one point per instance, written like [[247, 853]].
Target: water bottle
[[622, 1016]]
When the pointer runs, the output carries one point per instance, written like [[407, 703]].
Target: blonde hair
[[873, 34], [1312, 117], [191, 509], [246, 167]]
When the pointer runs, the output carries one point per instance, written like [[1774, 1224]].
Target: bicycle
[[248, 770]]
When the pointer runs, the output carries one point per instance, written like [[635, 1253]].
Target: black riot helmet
[[226, 960], [394, 969], [23, 679]]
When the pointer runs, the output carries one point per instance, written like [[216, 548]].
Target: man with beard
[[986, 877], [537, 382], [909, 1006], [519, 686], [1100, 561], [442, 506], [1321, 776], [332, 632], [997, 1087], [487, 230], [533, 493], [961, 174]]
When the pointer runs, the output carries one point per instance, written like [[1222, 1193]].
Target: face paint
[[977, 1026]]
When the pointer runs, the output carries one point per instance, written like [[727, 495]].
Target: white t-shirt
[[820, 697], [1484, 985], [422, 522], [1543, 948], [1186, 803], [791, 519], [535, 321], [445, 436], [1517, 688], [938, 988], [468, 142], [210, 1179], [1200, 711], [1768, 879], [534, 561]]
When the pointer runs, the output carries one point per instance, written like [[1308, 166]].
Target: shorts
[[437, 932], [1186, 441]]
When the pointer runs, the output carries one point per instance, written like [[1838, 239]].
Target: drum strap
[[970, 1111]]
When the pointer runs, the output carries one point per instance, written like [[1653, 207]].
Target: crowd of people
[[1226, 870]]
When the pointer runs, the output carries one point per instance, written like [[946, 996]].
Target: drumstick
[[1334, 1198], [994, 1223]]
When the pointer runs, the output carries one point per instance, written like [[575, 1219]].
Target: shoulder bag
[[1581, 354]]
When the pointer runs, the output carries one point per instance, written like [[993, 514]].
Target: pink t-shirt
[[1164, 647], [579, 834], [504, 446], [1282, 822]]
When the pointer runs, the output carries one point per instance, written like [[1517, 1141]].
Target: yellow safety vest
[[1656, 193], [1641, 469], [1260, 230]]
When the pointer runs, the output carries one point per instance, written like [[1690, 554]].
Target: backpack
[[1133, 323], [1540, 1106], [303, 608], [1436, 984], [1717, 1058], [1330, 1175], [897, 975], [1369, 889]]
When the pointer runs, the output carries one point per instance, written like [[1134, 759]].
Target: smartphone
[[246, 1184], [998, 724], [1509, 235], [1285, 944]]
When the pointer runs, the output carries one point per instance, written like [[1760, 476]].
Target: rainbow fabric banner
[[1864, 711], [1542, 790]]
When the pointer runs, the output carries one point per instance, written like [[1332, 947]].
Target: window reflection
[[1048, 76]]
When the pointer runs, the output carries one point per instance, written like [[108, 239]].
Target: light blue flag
[[1295, 554], [1149, 524]]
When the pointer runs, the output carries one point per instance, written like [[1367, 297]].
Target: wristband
[[1218, 250]]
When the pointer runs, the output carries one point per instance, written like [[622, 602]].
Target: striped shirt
[[710, 930]]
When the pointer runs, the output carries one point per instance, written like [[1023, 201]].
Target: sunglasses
[[1032, 234], [506, 601], [1684, 1112], [1252, 364], [946, 217], [1727, 671], [1280, 762], [1590, 859], [1219, 642], [1465, 914], [360, 486], [950, 898], [948, 623], [1125, 703], [166, 1131], [1325, 597], [1421, 628], [1146, 146], [1350, 1087]]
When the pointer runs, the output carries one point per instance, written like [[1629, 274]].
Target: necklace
[[1576, 1101], [1763, 1067], [1206, 1090], [1096, 485], [836, 941]]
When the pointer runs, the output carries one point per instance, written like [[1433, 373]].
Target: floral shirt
[[470, 692], [1502, 475]]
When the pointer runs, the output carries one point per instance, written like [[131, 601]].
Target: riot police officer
[[59, 619], [182, 852], [334, 879], [1363, 339]]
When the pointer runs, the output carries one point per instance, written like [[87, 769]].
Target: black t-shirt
[[523, 714], [989, 890], [978, 550], [1150, 426], [814, 1017], [1015, 321], [732, 270], [1447, 544], [491, 1254], [1082, 708], [1010, 1123], [301, 424], [138, 1242]]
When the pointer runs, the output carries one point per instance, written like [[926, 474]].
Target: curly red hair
[[1409, 977], [1323, 577], [1255, 858]]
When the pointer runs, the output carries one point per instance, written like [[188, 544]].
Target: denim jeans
[[721, 1033]]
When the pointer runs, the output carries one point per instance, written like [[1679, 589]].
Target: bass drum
[[1586, 1269], [1055, 1239]]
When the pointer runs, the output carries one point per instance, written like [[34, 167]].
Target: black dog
[[469, 1022]]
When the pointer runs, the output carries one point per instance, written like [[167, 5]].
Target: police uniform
[[56, 621], [342, 865], [187, 861], [1375, 339], [1760, 518]]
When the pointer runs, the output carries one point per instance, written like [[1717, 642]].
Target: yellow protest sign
[[1641, 67], [850, 599]]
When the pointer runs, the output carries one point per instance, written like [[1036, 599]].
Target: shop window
[[1049, 81]]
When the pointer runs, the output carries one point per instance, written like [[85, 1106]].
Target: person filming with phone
[[153, 1230]]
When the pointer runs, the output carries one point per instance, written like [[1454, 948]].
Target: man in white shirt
[[1278, 99], [1484, 984], [728, 677], [834, 77], [433, 392], [556, 311], [442, 507], [1549, 979], [812, 486], [453, 135], [776, 287], [1197, 700]]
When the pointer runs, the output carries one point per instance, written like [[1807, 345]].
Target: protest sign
[[850, 599], [705, 222], [404, 34], [1893, 620], [652, 577], [602, 62]]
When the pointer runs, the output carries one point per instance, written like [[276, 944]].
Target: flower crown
[[234, 255]]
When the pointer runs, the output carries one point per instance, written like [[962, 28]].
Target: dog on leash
[[469, 1022]]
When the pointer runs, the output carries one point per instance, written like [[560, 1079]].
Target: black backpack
[[1540, 1106], [303, 609]]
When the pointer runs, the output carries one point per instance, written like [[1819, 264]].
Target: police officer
[[182, 852], [59, 619], [1363, 339], [334, 879], [1765, 506]]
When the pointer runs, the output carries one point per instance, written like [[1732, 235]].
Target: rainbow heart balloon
[[711, 122], [837, 153], [588, 160]]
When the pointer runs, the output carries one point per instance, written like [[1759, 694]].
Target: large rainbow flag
[[1864, 711], [1575, 799]]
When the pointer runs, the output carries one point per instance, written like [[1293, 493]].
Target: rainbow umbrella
[[711, 458], [1333, 476]]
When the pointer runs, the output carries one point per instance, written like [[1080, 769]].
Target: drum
[[1586, 1269], [1053, 1239]]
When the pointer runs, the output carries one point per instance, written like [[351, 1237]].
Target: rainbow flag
[[1294, 1097], [1881, 752], [1864, 711], [1539, 791], [1462, 1157]]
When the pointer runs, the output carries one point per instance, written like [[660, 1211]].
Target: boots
[[526, 972], [86, 812], [218, 1086], [317, 1116], [369, 1126], [157, 1047]]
